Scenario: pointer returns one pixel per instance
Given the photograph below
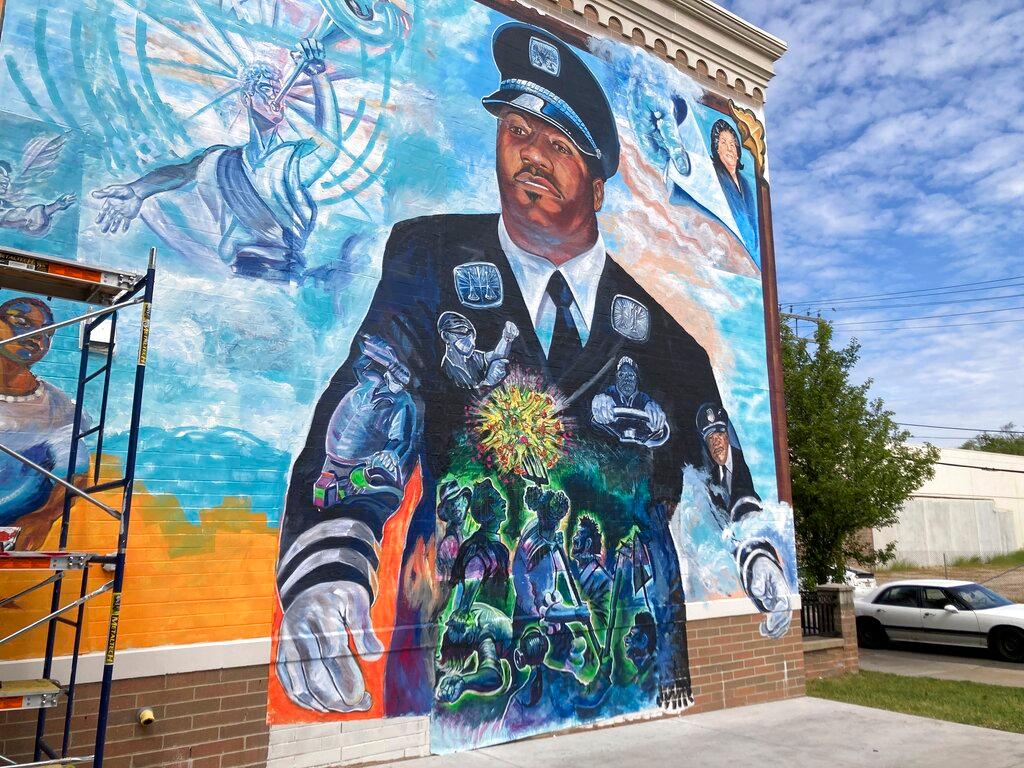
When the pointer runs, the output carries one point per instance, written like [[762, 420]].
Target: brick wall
[[731, 664], [214, 719], [217, 719]]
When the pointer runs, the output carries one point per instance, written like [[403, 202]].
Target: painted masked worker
[[540, 264]]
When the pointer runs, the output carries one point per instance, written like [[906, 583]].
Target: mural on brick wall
[[466, 315]]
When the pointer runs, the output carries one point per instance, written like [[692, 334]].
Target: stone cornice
[[715, 45]]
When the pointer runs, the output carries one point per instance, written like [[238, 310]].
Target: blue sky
[[896, 149]]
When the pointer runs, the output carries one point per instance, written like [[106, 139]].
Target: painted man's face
[[728, 152], [581, 542], [460, 507], [718, 447], [543, 179], [16, 320], [464, 343], [625, 381], [263, 99], [636, 644]]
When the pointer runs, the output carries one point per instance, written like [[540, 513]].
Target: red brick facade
[[214, 719], [217, 719], [731, 664]]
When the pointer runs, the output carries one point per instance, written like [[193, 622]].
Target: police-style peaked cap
[[712, 417], [543, 76]]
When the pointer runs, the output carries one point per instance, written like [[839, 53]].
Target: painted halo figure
[[35, 420], [258, 193], [541, 264]]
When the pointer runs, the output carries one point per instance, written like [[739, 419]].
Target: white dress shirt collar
[[532, 272]]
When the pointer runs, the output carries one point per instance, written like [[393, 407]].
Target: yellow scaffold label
[[115, 617], [144, 342]]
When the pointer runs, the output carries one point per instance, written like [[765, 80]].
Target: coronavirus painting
[[460, 307]]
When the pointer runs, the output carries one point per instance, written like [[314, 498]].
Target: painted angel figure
[[257, 193], [39, 160]]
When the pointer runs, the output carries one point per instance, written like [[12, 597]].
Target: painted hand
[[603, 409], [64, 202], [120, 206], [655, 416], [769, 590], [386, 463], [314, 663], [510, 332], [496, 372], [310, 55], [450, 688]]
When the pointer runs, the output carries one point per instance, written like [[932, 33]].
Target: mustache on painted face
[[537, 182]]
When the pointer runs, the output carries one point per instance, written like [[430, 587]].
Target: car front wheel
[[1008, 644], [871, 634]]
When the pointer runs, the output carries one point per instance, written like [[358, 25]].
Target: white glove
[[768, 586], [655, 416], [314, 663], [603, 409]]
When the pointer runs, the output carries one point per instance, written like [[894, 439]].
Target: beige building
[[974, 506]]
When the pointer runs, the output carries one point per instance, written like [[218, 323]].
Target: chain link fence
[[1003, 573]]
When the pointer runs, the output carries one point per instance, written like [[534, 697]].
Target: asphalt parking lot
[[943, 663]]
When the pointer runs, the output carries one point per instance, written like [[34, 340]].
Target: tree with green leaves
[[850, 463], [1005, 440]]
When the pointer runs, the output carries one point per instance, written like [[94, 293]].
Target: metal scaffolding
[[113, 291]]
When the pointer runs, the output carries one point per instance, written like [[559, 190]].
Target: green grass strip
[[989, 706]]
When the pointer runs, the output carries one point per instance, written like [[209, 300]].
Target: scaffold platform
[[110, 292]]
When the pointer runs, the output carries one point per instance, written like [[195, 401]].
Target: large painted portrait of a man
[[509, 360]]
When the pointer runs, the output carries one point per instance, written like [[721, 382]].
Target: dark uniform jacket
[[417, 284]]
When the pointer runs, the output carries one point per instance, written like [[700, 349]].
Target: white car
[[943, 612], [861, 581]]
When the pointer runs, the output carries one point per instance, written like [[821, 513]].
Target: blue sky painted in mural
[[897, 161]]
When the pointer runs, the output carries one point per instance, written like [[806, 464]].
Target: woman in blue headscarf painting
[[725, 153]]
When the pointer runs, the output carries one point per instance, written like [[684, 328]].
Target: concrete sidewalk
[[798, 733], [944, 664]]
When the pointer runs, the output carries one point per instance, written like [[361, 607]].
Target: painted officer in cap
[[728, 475], [541, 265]]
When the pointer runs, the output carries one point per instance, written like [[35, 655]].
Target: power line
[[926, 327], [917, 294], [920, 293], [961, 429], [986, 469], [902, 293], [928, 317], [861, 307], [937, 437]]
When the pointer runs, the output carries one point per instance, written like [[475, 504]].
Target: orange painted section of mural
[[183, 583]]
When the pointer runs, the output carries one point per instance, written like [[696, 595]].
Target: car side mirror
[[950, 608]]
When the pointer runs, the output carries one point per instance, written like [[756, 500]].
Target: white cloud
[[898, 163]]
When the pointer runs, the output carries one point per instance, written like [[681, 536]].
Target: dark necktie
[[565, 338]]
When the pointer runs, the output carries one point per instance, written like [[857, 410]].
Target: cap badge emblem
[[544, 56], [478, 285], [710, 413], [630, 318]]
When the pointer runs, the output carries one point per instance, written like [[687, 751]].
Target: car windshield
[[978, 598]]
